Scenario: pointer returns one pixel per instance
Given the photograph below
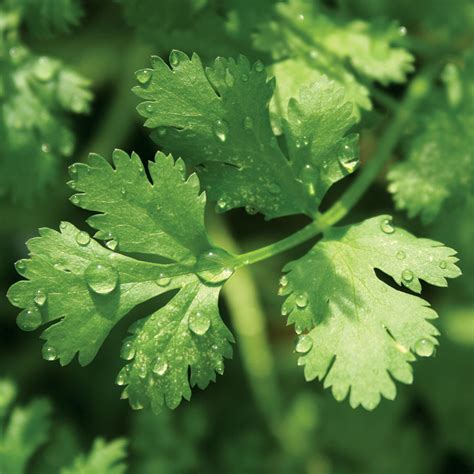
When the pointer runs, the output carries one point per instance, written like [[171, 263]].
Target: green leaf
[[217, 120], [439, 166], [25, 432], [313, 39], [104, 458], [359, 331], [85, 288], [36, 96]]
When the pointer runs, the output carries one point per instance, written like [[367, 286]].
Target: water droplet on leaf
[[199, 323], [301, 300], [304, 344], [401, 255], [443, 264], [407, 275], [229, 78], [20, 267], [163, 281], [387, 227], [174, 59], [128, 351], [250, 210], [214, 266], [29, 319], [221, 130], [83, 238], [424, 347], [45, 68], [122, 377], [49, 352], [101, 278], [248, 123], [111, 244], [160, 367], [40, 298], [143, 75], [244, 77], [259, 67]]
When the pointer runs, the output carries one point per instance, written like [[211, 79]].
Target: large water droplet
[[424, 347], [304, 344], [49, 352], [301, 300], [248, 123], [160, 367], [122, 377], [199, 323], [143, 75], [83, 238], [214, 266], [128, 351], [40, 298], [407, 275], [386, 226], [101, 278], [221, 130], [29, 319], [229, 78], [75, 199]]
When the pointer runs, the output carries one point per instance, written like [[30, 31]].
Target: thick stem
[[418, 89]]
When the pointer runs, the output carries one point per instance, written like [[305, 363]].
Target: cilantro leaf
[[439, 167], [37, 94], [25, 432], [85, 288], [104, 458], [361, 332], [315, 40], [217, 120]]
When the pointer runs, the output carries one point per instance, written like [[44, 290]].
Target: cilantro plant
[[272, 137]]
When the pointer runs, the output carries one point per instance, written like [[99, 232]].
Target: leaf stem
[[417, 90]]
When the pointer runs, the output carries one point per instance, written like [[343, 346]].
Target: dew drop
[[402, 31], [284, 281], [83, 238], [122, 377], [111, 244], [407, 275], [259, 67], [40, 298], [149, 108], [143, 75], [101, 278], [214, 266], [160, 367], [309, 176], [313, 54], [45, 148], [229, 78], [136, 405], [424, 347], [199, 323], [29, 319], [44, 68], [123, 191], [401, 255], [244, 77], [248, 123], [304, 344], [221, 204], [128, 351], [220, 367], [221, 129], [301, 300], [49, 352], [20, 267], [174, 59], [163, 281], [300, 17], [387, 227], [75, 199], [63, 225], [443, 264]]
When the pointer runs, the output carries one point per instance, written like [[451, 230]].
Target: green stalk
[[417, 90], [248, 320]]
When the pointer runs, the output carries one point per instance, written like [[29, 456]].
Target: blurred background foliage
[[430, 426]]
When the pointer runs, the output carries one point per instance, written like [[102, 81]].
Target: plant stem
[[249, 322], [417, 90]]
